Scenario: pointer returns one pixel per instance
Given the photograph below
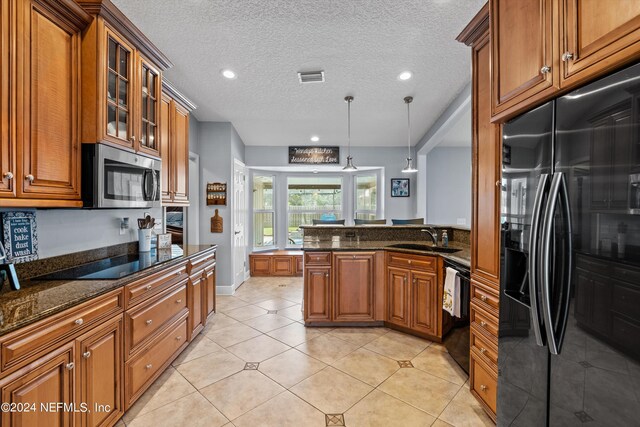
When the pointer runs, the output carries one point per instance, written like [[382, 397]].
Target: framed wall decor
[[399, 187], [20, 235]]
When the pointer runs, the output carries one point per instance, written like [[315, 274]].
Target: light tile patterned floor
[[252, 367]]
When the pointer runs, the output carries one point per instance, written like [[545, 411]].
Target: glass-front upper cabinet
[[150, 92], [119, 127]]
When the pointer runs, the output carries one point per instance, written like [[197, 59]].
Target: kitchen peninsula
[[375, 274]]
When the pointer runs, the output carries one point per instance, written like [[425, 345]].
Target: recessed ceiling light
[[405, 75], [229, 74], [315, 138]]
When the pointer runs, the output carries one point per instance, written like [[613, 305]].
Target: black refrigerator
[[569, 333]]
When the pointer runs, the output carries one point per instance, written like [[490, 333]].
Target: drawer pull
[[483, 350], [86, 354], [483, 387], [148, 287], [149, 366], [483, 298], [483, 323], [148, 322], [179, 337], [69, 366], [409, 261], [178, 301], [79, 321]]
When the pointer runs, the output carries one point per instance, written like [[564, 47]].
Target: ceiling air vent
[[311, 77]]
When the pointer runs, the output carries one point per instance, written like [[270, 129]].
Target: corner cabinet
[[174, 146], [40, 96], [543, 48], [121, 82]]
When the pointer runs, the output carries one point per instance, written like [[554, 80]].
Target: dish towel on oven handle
[[451, 296]]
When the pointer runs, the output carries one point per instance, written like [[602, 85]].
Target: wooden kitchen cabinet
[[523, 53], [100, 376], [353, 286], [197, 303], [40, 96], [210, 288], [174, 146], [398, 296], [121, 82], [424, 303], [544, 48], [49, 379], [317, 294]]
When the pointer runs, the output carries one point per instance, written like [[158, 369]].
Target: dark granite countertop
[[462, 257], [40, 299]]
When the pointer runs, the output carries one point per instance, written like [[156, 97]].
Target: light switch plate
[[462, 221]]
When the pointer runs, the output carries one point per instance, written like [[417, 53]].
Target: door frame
[[234, 205]]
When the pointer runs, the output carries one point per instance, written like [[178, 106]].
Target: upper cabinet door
[[180, 163], [48, 66], [523, 61], [150, 93], [119, 87], [597, 36], [7, 143]]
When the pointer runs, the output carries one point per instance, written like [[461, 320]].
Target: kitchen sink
[[424, 247]]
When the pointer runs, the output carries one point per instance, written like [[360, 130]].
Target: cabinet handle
[[483, 298], [498, 183], [354, 257], [545, 69], [414, 281], [29, 178], [149, 366], [567, 56], [483, 350], [483, 387], [326, 274], [405, 280], [148, 322], [86, 354], [178, 301], [148, 287], [69, 366], [179, 337], [79, 321], [8, 175], [409, 261], [483, 323]]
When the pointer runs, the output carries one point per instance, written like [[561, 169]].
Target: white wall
[[390, 159], [218, 144], [64, 231], [448, 182]]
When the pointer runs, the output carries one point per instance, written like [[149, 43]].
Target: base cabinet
[[100, 374], [424, 294], [210, 288], [317, 294], [49, 380], [196, 290], [353, 286], [398, 296]]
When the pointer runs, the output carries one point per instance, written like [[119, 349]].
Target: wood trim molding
[[476, 28], [124, 26], [170, 89], [68, 11]]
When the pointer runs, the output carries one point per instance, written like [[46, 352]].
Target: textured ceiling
[[361, 45]]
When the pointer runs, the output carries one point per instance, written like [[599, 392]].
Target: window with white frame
[[366, 196], [263, 212], [309, 198]]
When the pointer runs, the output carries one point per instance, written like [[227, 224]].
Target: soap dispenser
[[445, 238]]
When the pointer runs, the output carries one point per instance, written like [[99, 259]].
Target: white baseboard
[[225, 290]]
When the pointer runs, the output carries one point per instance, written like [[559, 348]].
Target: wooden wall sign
[[314, 155], [20, 236]]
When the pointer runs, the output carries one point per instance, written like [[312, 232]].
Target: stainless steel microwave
[[116, 178]]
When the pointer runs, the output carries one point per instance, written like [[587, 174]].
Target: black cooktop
[[115, 267]]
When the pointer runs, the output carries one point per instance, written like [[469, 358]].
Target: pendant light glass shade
[[409, 167], [349, 166]]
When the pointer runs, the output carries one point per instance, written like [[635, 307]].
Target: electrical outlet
[[462, 221]]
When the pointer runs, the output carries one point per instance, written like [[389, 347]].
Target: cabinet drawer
[[142, 289], [483, 321], [483, 382], [143, 368], [21, 345], [626, 274], [145, 320], [626, 300], [317, 258], [485, 349], [414, 262], [484, 297], [201, 261]]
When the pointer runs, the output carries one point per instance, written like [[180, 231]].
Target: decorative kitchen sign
[[314, 155], [20, 235], [164, 241]]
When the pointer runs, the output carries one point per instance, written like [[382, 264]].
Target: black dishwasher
[[457, 340]]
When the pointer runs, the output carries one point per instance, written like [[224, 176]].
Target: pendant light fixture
[[349, 167], [409, 168]]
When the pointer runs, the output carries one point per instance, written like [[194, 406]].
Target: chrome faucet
[[433, 233]]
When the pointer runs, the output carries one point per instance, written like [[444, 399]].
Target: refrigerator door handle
[[558, 190], [538, 205]]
